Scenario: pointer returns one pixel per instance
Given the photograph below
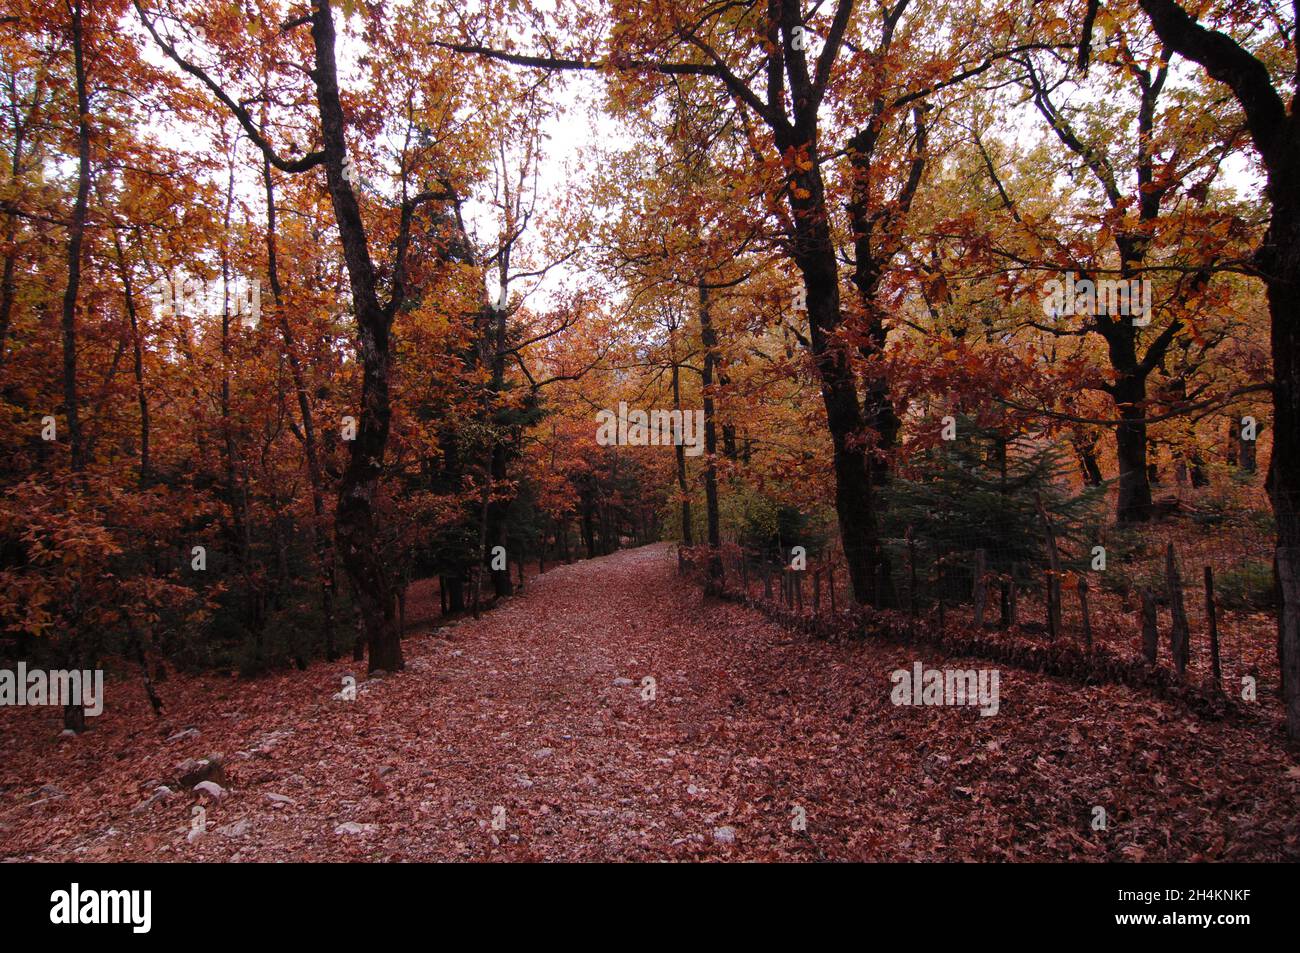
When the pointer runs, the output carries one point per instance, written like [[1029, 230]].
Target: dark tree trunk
[[1086, 448], [137, 358], [76, 236], [322, 543], [1281, 259], [235, 490], [709, 338], [497, 529], [814, 253], [1134, 504], [1246, 450], [680, 453], [8, 286], [356, 517], [1276, 134], [589, 527], [74, 717], [455, 593], [356, 520], [876, 241]]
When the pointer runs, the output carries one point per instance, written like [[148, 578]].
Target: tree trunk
[[235, 489], [680, 453], [455, 593], [1134, 504], [497, 528], [815, 255], [356, 520], [709, 338], [137, 354], [1273, 129], [1086, 449], [1283, 262], [8, 287], [76, 236], [1246, 450], [74, 717], [322, 544]]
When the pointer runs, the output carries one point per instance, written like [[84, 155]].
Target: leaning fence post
[[1083, 606], [1216, 671], [1179, 637], [979, 593]]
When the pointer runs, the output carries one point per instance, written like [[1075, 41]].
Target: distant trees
[[833, 227]]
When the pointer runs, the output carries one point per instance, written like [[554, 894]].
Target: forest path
[[516, 718]]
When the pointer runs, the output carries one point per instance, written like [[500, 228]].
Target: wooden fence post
[[1216, 671], [911, 574], [1054, 573], [1083, 606], [1150, 635], [1010, 619], [1179, 636]]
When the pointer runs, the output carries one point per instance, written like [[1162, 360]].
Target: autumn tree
[[1256, 70], [374, 304]]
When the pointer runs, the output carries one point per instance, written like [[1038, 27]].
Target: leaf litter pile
[[531, 734]]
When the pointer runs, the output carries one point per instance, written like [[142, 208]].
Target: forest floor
[[524, 735]]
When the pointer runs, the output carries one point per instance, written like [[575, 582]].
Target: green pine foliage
[[979, 492]]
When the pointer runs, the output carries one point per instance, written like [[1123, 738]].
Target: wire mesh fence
[[1196, 597]]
